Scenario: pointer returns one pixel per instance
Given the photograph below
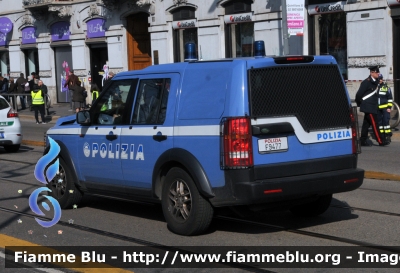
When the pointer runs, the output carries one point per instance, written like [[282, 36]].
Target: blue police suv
[[199, 135]]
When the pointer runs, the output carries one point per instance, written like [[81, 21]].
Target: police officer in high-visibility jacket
[[95, 91], [385, 105], [38, 103], [367, 100]]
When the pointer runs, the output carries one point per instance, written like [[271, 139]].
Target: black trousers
[[22, 99], [370, 120], [39, 108]]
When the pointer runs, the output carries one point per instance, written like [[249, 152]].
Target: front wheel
[[185, 210], [314, 208], [63, 187]]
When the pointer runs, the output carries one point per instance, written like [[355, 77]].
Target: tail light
[[354, 130], [237, 150], [12, 114]]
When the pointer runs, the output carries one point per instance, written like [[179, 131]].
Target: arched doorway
[[139, 46]]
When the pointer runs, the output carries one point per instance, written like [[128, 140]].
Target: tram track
[[229, 219], [311, 234], [235, 220], [130, 239]]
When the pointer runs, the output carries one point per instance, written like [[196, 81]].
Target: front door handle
[[159, 137]]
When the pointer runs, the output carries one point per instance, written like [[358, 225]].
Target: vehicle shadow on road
[[22, 149], [132, 208], [282, 218]]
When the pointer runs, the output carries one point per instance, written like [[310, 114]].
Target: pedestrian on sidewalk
[[12, 89], [385, 107], [108, 80], [79, 98], [367, 100], [4, 88], [44, 89], [20, 83], [31, 83], [38, 103], [71, 82]]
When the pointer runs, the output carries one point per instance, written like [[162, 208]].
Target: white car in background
[[10, 127]]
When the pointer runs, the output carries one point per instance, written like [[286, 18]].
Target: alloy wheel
[[59, 183], [180, 200]]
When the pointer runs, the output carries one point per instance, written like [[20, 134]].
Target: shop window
[[31, 61], [332, 38], [4, 64], [184, 35], [237, 6], [183, 13], [240, 38]]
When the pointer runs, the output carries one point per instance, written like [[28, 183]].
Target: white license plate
[[272, 144]]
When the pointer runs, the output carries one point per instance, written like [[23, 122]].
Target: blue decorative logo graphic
[[44, 172]]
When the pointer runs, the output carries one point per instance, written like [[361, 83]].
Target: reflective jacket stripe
[[369, 95]]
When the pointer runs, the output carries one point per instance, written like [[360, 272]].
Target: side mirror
[[83, 117]]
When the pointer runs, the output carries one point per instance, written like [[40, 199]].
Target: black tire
[[12, 148], [185, 210], [63, 187], [314, 208]]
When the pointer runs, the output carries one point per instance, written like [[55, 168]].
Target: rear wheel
[[314, 208], [63, 187], [12, 148], [185, 210]]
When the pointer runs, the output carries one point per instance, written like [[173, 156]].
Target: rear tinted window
[[3, 104]]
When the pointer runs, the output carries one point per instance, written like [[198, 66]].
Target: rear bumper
[[12, 134], [286, 189], [11, 139]]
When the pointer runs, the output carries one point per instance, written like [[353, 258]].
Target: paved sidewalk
[[55, 111]]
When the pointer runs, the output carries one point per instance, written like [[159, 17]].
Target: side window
[[110, 106], [151, 101]]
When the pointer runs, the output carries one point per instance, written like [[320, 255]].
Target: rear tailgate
[[300, 113]]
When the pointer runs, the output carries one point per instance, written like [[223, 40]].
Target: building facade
[[96, 37]]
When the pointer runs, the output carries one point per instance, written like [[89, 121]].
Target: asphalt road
[[369, 215], [372, 218]]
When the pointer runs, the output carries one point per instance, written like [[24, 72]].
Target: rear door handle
[[111, 136], [159, 137]]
